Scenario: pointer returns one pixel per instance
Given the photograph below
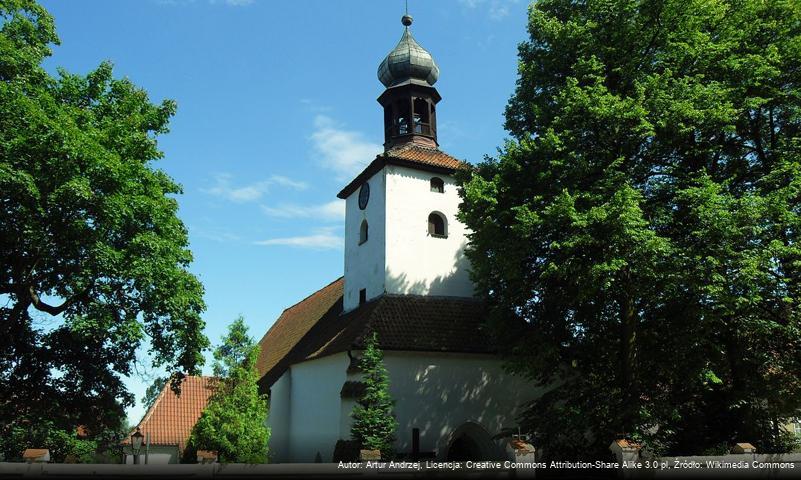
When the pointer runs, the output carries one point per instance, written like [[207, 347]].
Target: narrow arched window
[[363, 233], [437, 185], [437, 226], [402, 118], [421, 122]]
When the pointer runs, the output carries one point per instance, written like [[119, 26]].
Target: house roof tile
[[408, 155], [425, 156], [34, 453], [293, 324], [402, 322], [170, 419], [409, 323]]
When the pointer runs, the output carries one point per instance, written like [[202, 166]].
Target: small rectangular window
[[362, 296], [437, 185]]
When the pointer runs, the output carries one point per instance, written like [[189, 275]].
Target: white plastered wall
[[315, 407], [278, 418], [417, 263], [435, 392], [157, 455], [364, 264], [438, 393], [346, 407], [400, 256]]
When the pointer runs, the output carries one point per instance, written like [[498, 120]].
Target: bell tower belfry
[[402, 234], [409, 73]]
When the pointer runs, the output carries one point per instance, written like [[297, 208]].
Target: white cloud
[[496, 9], [497, 12], [288, 182], [320, 239], [214, 235], [224, 188], [345, 152], [313, 106], [333, 210]]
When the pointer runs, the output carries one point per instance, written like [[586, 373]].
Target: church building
[[407, 279]]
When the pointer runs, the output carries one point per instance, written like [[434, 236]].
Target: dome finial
[[408, 61], [406, 19]]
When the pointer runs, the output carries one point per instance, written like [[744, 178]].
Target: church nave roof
[[316, 328]]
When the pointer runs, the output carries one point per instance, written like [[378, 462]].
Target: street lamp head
[[136, 441]]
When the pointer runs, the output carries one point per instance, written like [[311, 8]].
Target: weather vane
[[407, 19]]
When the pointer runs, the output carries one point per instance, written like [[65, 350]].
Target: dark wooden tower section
[[410, 115]]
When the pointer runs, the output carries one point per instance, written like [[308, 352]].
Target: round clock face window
[[364, 196]]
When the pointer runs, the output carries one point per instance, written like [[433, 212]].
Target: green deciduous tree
[[234, 423], [153, 391], [374, 424], [63, 445], [93, 258], [637, 239]]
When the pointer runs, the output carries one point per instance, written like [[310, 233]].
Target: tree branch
[[40, 305]]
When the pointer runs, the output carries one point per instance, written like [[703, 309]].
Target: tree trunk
[[628, 362]]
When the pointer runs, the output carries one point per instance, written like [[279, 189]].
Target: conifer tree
[[374, 424]]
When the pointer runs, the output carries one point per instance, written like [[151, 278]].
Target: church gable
[[169, 421]]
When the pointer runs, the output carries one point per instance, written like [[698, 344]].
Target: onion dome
[[408, 61]]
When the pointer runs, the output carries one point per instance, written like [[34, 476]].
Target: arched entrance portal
[[471, 442]]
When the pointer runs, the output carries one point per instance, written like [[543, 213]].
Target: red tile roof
[[626, 443], [293, 324], [316, 327], [170, 419], [34, 453], [425, 156], [408, 323], [407, 155]]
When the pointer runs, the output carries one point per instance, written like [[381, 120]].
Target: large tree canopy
[[637, 238], [93, 258]]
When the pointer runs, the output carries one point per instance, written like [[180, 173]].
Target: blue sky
[[276, 113]]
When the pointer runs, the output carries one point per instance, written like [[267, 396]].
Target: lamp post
[[136, 444]]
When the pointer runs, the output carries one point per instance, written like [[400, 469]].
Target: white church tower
[[407, 281], [401, 231]]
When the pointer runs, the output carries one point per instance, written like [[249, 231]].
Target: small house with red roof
[[407, 279], [168, 423]]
